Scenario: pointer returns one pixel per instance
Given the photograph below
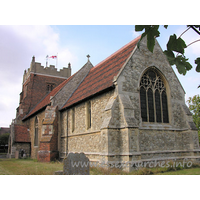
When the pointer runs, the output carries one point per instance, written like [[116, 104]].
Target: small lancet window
[[36, 132], [88, 114], [153, 98], [73, 119]]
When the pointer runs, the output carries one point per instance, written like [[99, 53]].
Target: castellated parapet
[[36, 68]]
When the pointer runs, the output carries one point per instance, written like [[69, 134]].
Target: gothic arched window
[[73, 119], [88, 114], [36, 132], [153, 98]]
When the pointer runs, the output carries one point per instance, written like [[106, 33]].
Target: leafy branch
[[175, 44]]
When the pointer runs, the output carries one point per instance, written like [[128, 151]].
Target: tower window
[[49, 87], [153, 98]]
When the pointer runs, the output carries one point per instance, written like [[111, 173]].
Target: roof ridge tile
[[102, 75], [116, 52]]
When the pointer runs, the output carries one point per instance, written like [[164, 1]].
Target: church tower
[[37, 83]]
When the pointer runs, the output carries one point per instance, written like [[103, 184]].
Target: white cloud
[[17, 46], [65, 56]]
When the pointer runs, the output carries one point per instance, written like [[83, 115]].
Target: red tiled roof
[[98, 79], [46, 100], [101, 76], [22, 134]]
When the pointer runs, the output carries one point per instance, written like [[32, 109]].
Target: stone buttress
[[48, 147], [126, 138]]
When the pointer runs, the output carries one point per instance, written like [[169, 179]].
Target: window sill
[[157, 126]]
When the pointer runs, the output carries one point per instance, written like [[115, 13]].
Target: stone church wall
[[154, 140], [33, 90], [117, 132], [129, 80], [132, 139], [83, 139], [35, 149]]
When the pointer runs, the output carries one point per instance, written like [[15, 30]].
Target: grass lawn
[[192, 171], [28, 167], [147, 171], [32, 167]]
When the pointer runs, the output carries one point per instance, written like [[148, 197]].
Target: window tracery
[[153, 98]]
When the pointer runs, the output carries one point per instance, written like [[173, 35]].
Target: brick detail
[[48, 149], [21, 133], [35, 86], [36, 89]]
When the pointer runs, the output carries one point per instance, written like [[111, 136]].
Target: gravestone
[[76, 164], [16, 154]]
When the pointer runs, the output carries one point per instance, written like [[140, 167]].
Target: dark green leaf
[[182, 65], [180, 45], [197, 61], [170, 56], [143, 35], [175, 44], [188, 66], [166, 26], [171, 42], [140, 27], [150, 41], [155, 30], [152, 33]]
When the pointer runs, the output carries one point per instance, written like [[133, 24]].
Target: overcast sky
[[72, 43]]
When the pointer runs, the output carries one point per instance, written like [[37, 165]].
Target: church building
[[129, 107]]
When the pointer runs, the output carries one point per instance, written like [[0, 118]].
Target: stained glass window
[[153, 98], [150, 104], [164, 107], [158, 106], [143, 103]]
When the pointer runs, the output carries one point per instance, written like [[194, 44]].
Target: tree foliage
[[4, 139], [194, 106], [176, 45]]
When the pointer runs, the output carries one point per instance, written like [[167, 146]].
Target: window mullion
[[161, 106], [154, 105], [151, 82], [147, 106]]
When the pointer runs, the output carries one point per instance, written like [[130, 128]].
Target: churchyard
[[33, 167]]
